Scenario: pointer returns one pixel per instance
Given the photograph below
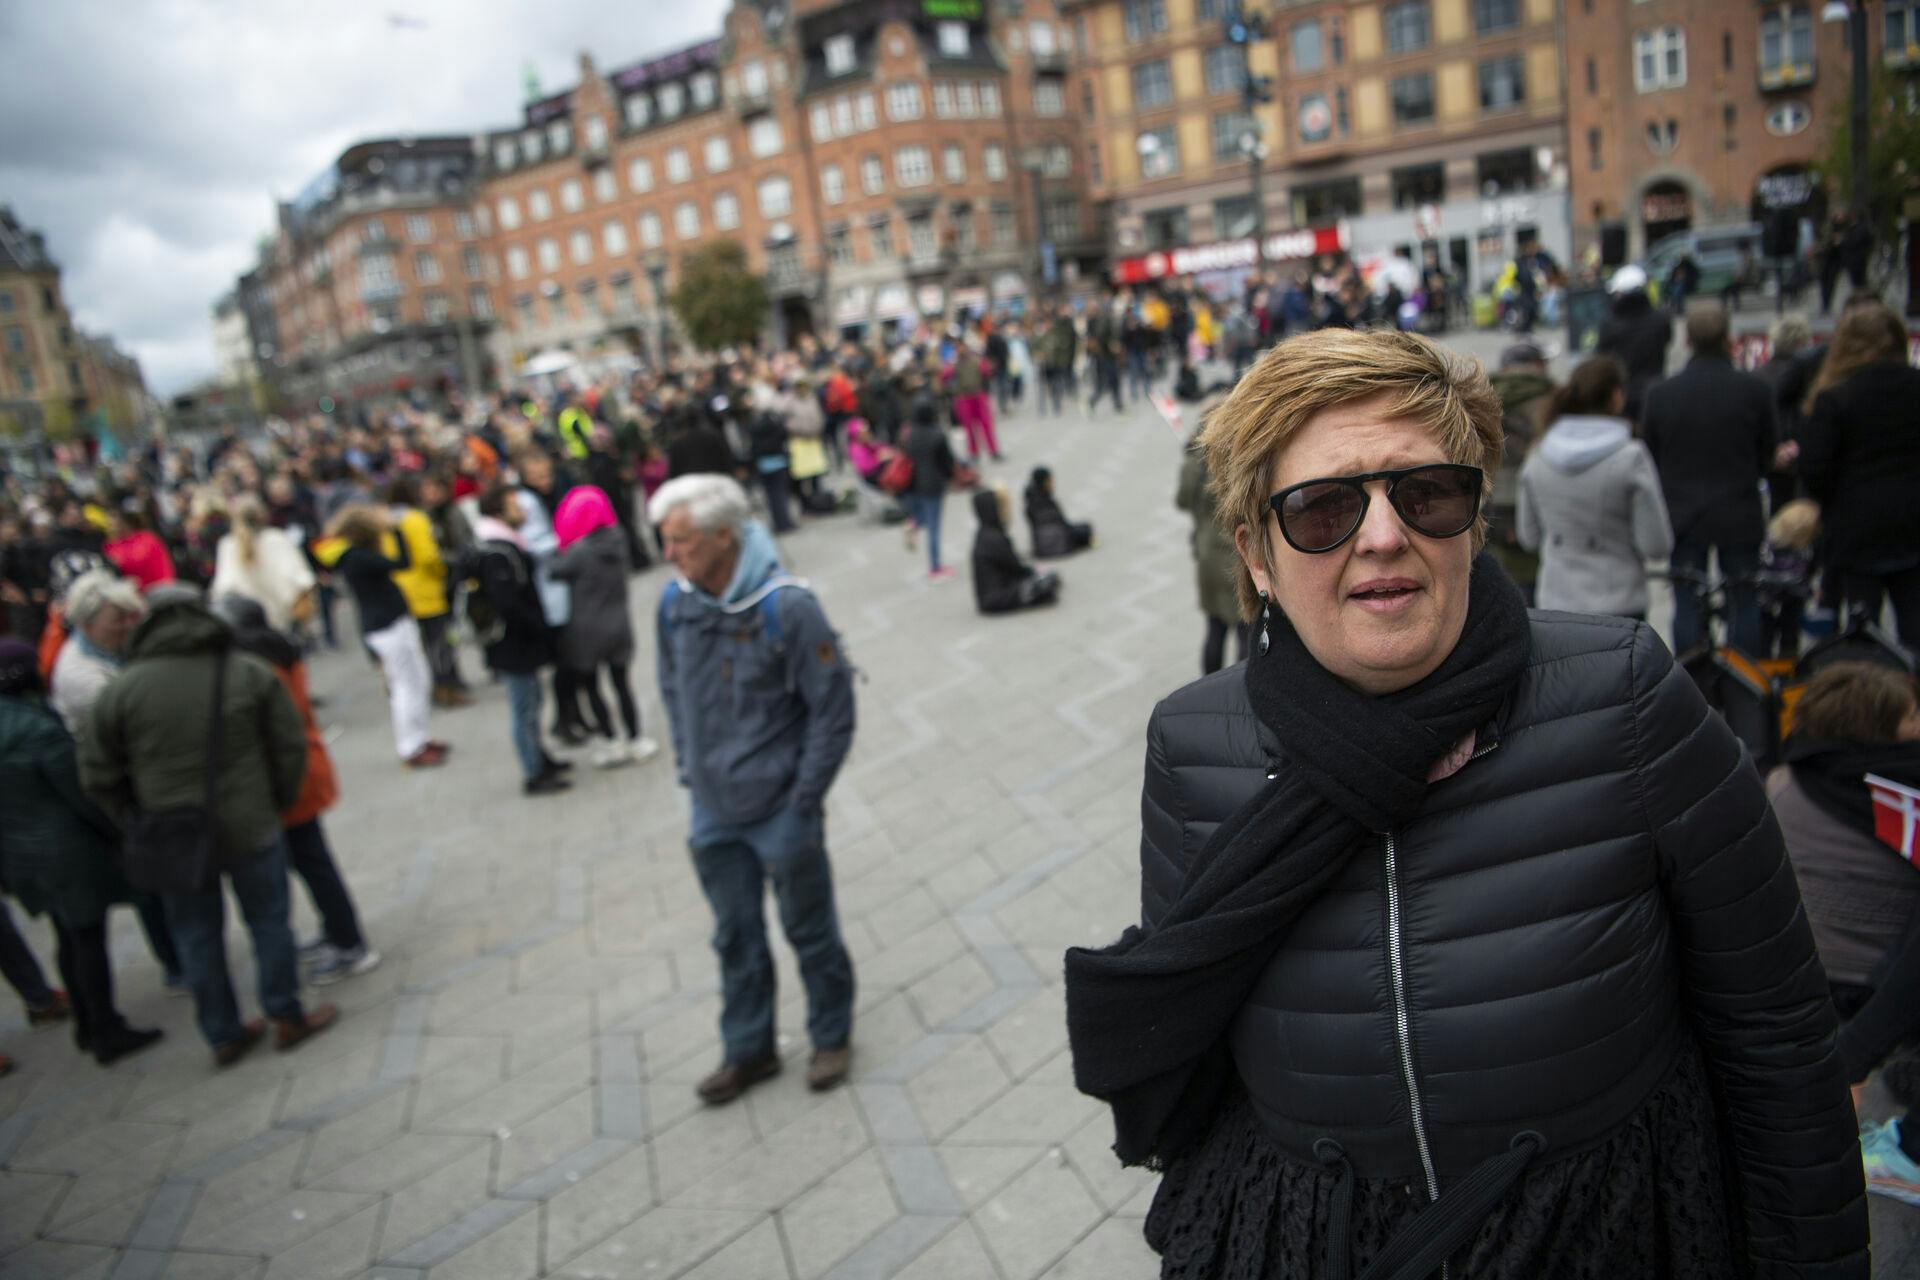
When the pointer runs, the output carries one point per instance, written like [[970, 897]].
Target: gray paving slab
[[511, 1093]]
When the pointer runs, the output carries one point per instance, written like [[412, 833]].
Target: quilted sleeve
[[1753, 985], [1163, 862]]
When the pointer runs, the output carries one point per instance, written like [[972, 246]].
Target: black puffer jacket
[[1600, 882]]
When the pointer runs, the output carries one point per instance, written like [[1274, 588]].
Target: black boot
[[122, 1041]]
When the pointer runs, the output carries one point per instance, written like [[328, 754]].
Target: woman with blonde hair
[[388, 627], [1468, 942], [256, 560], [1860, 459]]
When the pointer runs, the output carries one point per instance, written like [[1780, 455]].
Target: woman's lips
[[1385, 595]]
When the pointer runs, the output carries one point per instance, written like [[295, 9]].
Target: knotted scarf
[[1147, 1017]]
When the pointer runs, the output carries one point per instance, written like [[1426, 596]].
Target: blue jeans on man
[[1743, 603], [925, 509], [735, 862], [523, 705], [198, 924]]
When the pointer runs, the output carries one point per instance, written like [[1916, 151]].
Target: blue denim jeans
[[925, 510], [735, 863], [1743, 605], [523, 704], [199, 924]]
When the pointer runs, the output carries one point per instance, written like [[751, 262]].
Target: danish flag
[[1896, 814]]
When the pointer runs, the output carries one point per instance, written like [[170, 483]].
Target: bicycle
[[1754, 693]]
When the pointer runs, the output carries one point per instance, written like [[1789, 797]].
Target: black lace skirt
[[1650, 1201]]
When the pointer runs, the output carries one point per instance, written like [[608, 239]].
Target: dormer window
[[672, 98], [953, 40], [596, 132], [839, 54], [703, 90], [559, 136], [639, 110], [503, 154]]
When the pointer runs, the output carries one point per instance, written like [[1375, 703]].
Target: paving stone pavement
[[510, 1094]]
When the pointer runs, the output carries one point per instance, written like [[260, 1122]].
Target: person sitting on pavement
[[1590, 500], [1857, 720], [1002, 581], [760, 700], [145, 749], [599, 633], [59, 855], [1052, 533], [504, 606], [341, 950]]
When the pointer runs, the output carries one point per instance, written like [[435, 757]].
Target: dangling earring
[[1265, 604]]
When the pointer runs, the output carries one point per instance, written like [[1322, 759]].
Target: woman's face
[[1384, 608]]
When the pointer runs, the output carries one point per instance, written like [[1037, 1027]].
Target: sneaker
[[344, 964], [605, 755], [313, 949], [1891, 1172], [941, 574], [641, 750], [57, 1009], [546, 784]]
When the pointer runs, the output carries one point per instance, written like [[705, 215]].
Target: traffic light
[[1257, 89], [1245, 29]]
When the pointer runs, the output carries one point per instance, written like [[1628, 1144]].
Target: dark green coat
[[58, 852], [145, 743], [1216, 562]]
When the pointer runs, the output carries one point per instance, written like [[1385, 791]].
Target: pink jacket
[[583, 510]]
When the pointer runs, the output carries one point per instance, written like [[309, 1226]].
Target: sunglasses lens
[[1439, 502], [1320, 516]]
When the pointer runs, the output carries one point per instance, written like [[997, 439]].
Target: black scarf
[[1832, 774], [1147, 1017]]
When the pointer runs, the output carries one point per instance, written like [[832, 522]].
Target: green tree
[[720, 302], [1893, 151]]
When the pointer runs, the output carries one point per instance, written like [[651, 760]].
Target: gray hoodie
[[1590, 503]]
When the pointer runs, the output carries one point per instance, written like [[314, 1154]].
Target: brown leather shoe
[[225, 1055], [289, 1032], [735, 1078], [828, 1068]]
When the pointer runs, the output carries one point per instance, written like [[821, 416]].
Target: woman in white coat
[[1590, 500], [256, 560]]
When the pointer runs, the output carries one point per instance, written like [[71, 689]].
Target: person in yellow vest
[[425, 586], [576, 429]]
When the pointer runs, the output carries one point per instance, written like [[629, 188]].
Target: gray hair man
[[100, 609], [760, 700]]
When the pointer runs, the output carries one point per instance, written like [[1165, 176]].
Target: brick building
[[1684, 112], [1409, 123]]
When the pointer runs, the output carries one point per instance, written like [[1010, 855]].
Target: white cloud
[[149, 141]]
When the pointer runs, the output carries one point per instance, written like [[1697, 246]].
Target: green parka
[[59, 854], [1216, 563], [145, 744]]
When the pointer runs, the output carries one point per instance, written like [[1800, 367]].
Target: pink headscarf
[[581, 512]]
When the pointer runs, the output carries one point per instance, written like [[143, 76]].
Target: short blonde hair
[[1424, 382]]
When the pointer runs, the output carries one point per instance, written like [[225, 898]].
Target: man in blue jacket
[[760, 700]]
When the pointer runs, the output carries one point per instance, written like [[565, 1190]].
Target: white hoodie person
[[1590, 501]]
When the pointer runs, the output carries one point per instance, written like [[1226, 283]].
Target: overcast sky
[[149, 139]]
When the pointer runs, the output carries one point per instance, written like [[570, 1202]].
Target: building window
[[1152, 85], [1593, 76], [679, 167], [1309, 51], [640, 175], [509, 213], [966, 100], [548, 251], [503, 153], [571, 196], [1507, 172], [960, 227], [1726, 50], [1223, 68], [912, 167], [613, 238], [776, 197], [921, 244], [539, 205], [1166, 228], [672, 99], [463, 224], [838, 51], [435, 308], [993, 161], [719, 154], [1336, 41], [952, 39], [523, 306], [880, 235], [651, 233], [1159, 151], [426, 268], [1663, 138], [953, 162], [419, 228], [1230, 128], [942, 99], [763, 137], [686, 220], [532, 146], [842, 116], [1049, 98], [1058, 162], [903, 101], [753, 79], [726, 211], [1786, 45], [1093, 163], [821, 120], [639, 110], [1316, 203], [1495, 15], [1409, 26], [873, 175], [1040, 39], [1659, 59], [1503, 83], [479, 302], [1412, 100], [1419, 184], [605, 187], [1900, 32], [840, 247], [703, 88], [1145, 18], [518, 267], [867, 116], [375, 233], [1006, 230], [596, 128], [1086, 98], [580, 245], [1233, 217], [471, 263], [833, 184]]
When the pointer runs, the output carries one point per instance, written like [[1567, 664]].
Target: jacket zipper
[[1402, 1020]]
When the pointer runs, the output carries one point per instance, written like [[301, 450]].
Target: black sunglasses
[[1439, 500]]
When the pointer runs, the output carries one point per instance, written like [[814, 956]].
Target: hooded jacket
[[759, 722], [145, 742], [320, 787], [1590, 504], [595, 568], [1047, 525], [58, 852], [1216, 564], [998, 570], [521, 643]]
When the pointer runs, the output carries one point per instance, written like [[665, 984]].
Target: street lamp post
[[1034, 161], [1854, 13], [1243, 29], [657, 277]]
